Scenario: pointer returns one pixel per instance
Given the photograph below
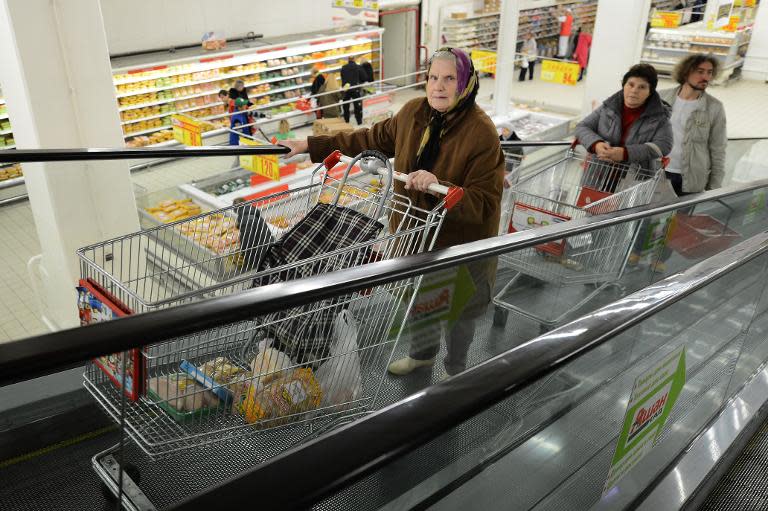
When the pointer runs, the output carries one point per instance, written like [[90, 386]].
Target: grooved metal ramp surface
[[745, 486], [57, 477]]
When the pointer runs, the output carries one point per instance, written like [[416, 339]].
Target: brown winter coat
[[470, 157]]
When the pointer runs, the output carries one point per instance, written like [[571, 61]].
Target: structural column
[[617, 44], [505, 56], [56, 77]]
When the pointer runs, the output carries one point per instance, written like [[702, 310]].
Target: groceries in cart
[[311, 366]]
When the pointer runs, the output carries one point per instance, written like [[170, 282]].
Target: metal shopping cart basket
[[573, 187], [230, 383], [512, 162]]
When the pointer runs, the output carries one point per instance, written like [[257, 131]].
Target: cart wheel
[[500, 317], [131, 471]]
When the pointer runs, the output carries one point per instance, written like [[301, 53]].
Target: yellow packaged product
[[293, 394]]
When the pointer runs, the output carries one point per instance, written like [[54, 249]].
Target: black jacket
[[368, 68], [352, 74], [234, 94], [317, 83]]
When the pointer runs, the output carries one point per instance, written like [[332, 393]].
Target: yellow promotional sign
[[666, 19], [187, 130], [556, 71], [267, 166], [733, 24], [484, 61]]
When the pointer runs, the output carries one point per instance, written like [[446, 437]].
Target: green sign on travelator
[[442, 296], [650, 403]]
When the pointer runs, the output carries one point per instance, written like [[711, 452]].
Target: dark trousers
[[531, 65], [358, 103], [457, 342]]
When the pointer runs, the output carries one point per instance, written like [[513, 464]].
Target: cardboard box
[[330, 126], [458, 15]]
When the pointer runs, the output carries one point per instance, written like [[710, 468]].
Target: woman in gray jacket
[[632, 126]]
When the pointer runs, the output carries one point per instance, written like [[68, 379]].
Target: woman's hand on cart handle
[[421, 181], [296, 147]]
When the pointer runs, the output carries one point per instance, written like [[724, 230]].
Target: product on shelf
[[147, 97], [10, 172]]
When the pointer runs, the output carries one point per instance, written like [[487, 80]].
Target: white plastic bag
[[340, 376]]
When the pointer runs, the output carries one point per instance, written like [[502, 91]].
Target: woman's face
[[442, 84], [636, 91]]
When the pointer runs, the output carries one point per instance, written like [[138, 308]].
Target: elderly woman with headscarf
[[443, 138]]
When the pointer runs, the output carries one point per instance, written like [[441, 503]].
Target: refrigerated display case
[[149, 88]]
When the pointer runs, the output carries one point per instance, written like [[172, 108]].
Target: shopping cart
[[573, 187], [231, 382], [512, 162], [700, 236]]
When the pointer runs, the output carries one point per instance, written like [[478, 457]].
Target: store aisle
[[19, 312]]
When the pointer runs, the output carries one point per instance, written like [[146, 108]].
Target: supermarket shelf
[[150, 130], [711, 44], [472, 26], [5, 132], [662, 48], [2, 101], [3, 116], [474, 17], [208, 105], [657, 61], [242, 73], [214, 91], [7, 147], [9, 183], [242, 55]]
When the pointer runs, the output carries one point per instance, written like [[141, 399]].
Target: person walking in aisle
[[352, 74], [238, 91], [428, 138], [329, 97], [566, 27], [581, 53], [318, 80], [529, 53]]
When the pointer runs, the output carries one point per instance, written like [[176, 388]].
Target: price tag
[[267, 166], [187, 130], [566, 73], [338, 3], [358, 4], [666, 19]]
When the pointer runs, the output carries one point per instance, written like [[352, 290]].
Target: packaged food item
[[269, 364], [282, 399], [215, 375], [181, 392]]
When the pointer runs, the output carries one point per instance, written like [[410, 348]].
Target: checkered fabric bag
[[305, 332]]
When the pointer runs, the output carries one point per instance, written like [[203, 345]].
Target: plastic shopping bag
[[340, 377]]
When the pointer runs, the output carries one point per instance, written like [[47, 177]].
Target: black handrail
[[129, 153], [27, 358], [398, 429]]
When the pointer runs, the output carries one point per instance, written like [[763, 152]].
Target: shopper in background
[[428, 138], [697, 160], [351, 75], [632, 125], [368, 69], [565, 18], [581, 53], [318, 80], [229, 104], [238, 91], [237, 120], [529, 51], [329, 97]]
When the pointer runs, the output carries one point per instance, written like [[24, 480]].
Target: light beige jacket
[[704, 143]]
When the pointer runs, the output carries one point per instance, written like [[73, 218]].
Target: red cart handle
[[332, 159]]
